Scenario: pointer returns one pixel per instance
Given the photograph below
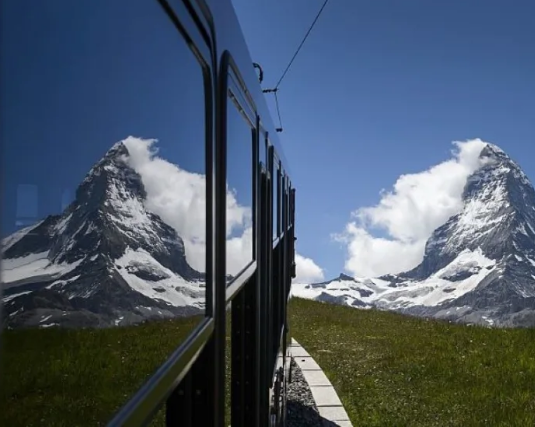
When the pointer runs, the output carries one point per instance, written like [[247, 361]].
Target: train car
[[258, 294], [145, 180]]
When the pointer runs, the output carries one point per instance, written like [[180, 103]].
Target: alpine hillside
[[106, 260], [478, 267]]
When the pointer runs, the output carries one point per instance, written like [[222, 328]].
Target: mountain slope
[[479, 267], [104, 261]]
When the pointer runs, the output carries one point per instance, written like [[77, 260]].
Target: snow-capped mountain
[[106, 260], [479, 267]]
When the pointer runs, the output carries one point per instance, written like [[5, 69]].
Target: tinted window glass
[[103, 219], [276, 200], [262, 151], [239, 186]]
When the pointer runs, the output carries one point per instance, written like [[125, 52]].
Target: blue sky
[[78, 77], [379, 90], [382, 88], [74, 82]]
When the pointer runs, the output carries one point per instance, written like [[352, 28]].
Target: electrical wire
[[276, 88], [301, 45]]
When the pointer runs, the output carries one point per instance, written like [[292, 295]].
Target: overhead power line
[[301, 45], [276, 88]]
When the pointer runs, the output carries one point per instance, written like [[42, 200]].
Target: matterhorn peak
[[478, 267], [105, 260], [117, 149], [492, 155], [492, 149]]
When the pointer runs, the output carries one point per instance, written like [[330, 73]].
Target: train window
[[104, 204], [288, 209], [288, 220], [262, 152], [289, 205], [280, 208], [283, 203], [292, 211], [287, 197], [240, 179], [276, 198]]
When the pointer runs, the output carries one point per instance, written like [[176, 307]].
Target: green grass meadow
[[394, 370], [388, 369]]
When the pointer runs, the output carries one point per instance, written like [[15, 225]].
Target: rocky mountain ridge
[[105, 261], [478, 267]]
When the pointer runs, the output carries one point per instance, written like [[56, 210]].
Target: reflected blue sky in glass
[[66, 198], [262, 152], [276, 198], [239, 152], [78, 77], [240, 181], [239, 155], [27, 201]]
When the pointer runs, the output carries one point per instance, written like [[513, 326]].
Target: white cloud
[[307, 271], [239, 251], [178, 197], [418, 204]]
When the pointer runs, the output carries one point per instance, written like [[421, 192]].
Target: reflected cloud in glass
[[104, 122], [239, 190]]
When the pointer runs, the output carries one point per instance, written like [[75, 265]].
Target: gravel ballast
[[301, 408]]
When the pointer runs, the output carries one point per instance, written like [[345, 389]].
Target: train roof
[[222, 23]]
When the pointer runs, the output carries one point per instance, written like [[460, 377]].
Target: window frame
[[277, 185], [149, 398], [232, 88]]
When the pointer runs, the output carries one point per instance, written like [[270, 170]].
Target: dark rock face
[[104, 261], [499, 219]]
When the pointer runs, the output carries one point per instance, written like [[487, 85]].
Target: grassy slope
[[54, 377], [389, 370], [393, 370]]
